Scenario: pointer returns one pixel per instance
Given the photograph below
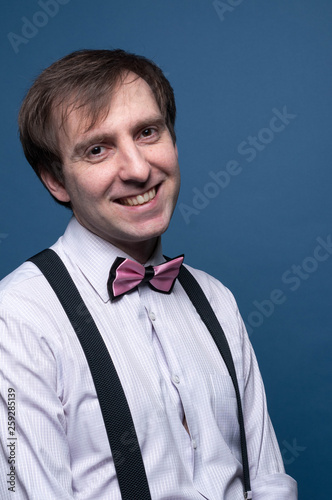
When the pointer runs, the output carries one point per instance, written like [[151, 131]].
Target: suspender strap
[[202, 305], [118, 421]]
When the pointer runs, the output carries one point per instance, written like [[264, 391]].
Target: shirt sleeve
[[34, 451], [267, 473]]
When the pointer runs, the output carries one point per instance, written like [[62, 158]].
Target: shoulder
[[26, 285], [213, 288], [24, 277], [25, 296], [27, 281], [33, 324], [221, 300], [226, 310]]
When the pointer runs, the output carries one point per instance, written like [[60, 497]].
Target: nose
[[132, 163]]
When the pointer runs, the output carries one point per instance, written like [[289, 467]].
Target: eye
[[97, 153], [96, 150], [148, 132]]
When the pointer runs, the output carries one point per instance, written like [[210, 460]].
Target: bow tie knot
[[126, 274], [148, 275]]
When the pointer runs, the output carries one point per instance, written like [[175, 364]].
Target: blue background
[[230, 69]]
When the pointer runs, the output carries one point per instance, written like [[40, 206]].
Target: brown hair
[[83, 79]]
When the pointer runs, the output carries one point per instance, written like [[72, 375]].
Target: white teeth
[[140, 199]]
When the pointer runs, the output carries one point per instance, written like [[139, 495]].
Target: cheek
[[170, 164], [174, 185], [88, 187], [175, 173]]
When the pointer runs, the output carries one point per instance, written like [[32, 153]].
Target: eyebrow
[[99, 137]]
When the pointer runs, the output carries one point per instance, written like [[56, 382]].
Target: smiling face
[[122, 175]]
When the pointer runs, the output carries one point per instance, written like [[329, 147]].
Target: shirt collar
[[94, 256]]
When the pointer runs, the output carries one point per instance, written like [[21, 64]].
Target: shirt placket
[[177, 389]]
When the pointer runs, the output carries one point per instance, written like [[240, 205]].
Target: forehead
[[131, 98]]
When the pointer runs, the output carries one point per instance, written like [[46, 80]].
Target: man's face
[[121, 176]]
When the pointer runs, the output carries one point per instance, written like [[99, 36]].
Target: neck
[[140, 251]]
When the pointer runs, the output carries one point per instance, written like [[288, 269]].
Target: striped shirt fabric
[[171, 372]]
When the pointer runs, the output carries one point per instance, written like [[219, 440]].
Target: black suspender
[[119, 425], [118, 421], [202, 305]]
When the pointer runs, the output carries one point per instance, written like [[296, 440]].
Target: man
[[98, 129]]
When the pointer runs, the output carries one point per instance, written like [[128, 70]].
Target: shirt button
[[193, 444], [152, 316], [176, 379]]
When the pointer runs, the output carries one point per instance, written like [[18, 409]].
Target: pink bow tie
[[125, 274]]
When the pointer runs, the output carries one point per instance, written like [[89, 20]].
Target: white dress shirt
[[169, 367]]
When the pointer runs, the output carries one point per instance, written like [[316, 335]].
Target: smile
[[140, 199]]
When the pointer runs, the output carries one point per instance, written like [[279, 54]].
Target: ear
[[55, 187]]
